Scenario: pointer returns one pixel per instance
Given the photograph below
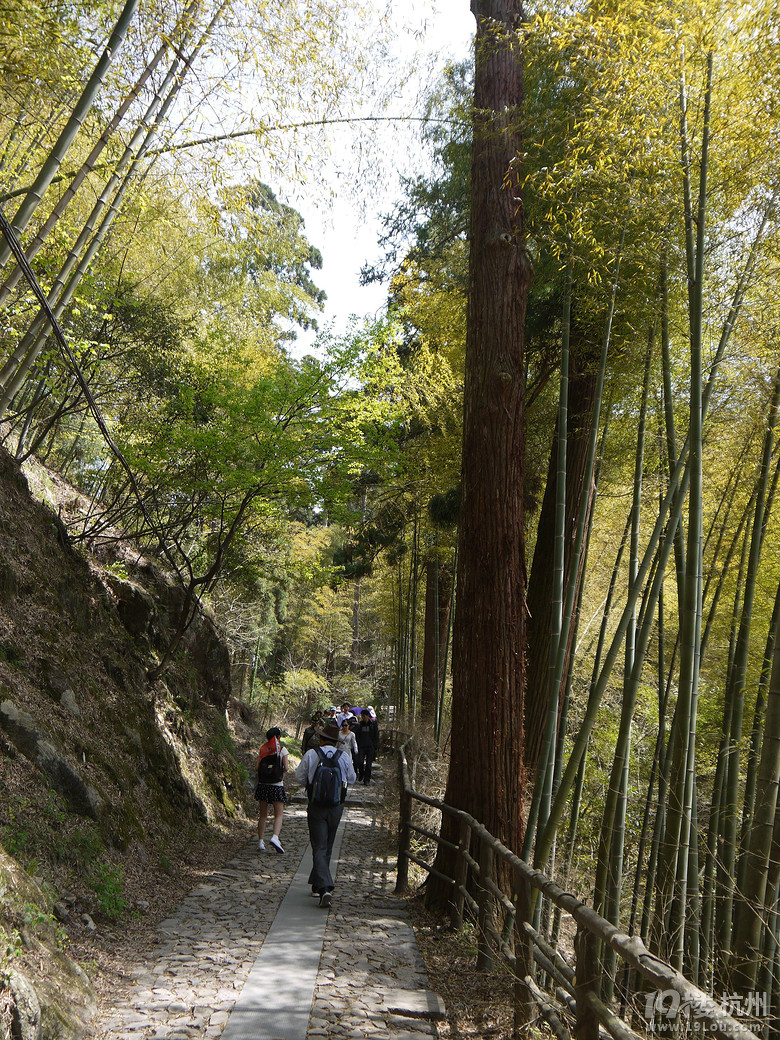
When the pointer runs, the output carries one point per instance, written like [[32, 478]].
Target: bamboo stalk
[[51, 166]]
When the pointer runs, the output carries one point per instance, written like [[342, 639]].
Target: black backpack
[[327, 787], [270, 769]]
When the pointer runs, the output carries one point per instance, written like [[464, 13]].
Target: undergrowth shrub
[[107, 882]]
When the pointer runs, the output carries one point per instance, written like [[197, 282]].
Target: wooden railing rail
[[578, 986]]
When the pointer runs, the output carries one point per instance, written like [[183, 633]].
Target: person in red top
[[271, 793]]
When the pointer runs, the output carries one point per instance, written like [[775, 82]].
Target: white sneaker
[[261, 846], [276, 844]]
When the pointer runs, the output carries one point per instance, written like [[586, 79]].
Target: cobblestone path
[[371, 982]]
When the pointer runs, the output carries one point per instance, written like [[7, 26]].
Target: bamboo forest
[[527, 510]]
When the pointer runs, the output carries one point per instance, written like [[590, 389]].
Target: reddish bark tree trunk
[[486, 776]]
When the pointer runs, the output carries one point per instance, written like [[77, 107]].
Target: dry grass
[[479, 1004]]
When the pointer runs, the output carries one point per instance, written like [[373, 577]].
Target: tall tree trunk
[[438, 586], [355, 656], [755, 908], [736, 697], [486, 776], [583, 380], [428, 685], [609, 876], [445, 649], [675, 876]]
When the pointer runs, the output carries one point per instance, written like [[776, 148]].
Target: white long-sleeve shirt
[[307, 767]]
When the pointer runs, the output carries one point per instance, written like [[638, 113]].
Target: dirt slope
[[113, 791]]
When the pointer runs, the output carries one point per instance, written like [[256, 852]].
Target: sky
[[346, 230]]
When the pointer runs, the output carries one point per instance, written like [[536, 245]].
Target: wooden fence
[[505, 930]]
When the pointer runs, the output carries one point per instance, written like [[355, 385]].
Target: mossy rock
[[53, 995]]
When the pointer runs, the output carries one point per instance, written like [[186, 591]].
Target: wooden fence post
[[525, 1005], [586, 980], [404, 836], [461, 874], [486, 956]]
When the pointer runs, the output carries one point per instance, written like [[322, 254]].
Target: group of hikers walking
[[358, 736], [337, 749]]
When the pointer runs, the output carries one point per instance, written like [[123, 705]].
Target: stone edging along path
[[207, 974]]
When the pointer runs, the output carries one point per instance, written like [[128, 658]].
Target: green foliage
[[37, 919], [107, 882], [10, 949], [33, 915], [221, 739], [293, 745], [119, 570], [84, 847], [304, 497], [27, 835], [267, 258]]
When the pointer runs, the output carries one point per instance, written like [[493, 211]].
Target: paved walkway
[[250, 954]]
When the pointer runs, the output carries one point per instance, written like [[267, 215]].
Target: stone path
[[208, 967]]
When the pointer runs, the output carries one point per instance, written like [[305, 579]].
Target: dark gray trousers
[[323, 823]]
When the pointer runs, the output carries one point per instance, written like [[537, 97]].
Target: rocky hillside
[[107, 781]]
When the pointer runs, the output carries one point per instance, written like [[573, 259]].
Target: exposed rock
[[60, 1004], [137, 608], [80, 796], [61, 911], [211, 658], [59, 686], [26, 1013], [69, 702], [67, 999], [21, 729], [16, 885]]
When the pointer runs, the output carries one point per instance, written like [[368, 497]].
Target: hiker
[[367, 737], [346, 741], [326, 792], [344, 713], [271, 767], [310, 738]]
